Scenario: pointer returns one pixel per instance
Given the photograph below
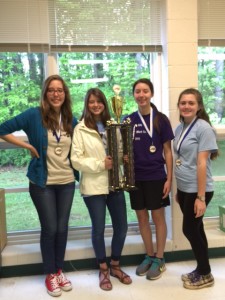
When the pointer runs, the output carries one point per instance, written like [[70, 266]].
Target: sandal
[[104, 283], [122, 277]]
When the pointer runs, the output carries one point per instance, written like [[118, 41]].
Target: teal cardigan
[[30, 122]]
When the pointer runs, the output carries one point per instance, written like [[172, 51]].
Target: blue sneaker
[[156, 269], [144, 266]]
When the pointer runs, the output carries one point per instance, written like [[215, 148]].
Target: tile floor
[[85, 286]]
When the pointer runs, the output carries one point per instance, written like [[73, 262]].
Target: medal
[[178, 162], [152, 148], [58, 150]]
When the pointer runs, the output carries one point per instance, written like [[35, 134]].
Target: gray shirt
[[201, 137]]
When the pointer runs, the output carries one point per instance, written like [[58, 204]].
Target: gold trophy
[[120, 147]]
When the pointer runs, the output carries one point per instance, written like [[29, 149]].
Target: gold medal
[[152, 148], [58, 150], [178, 162]]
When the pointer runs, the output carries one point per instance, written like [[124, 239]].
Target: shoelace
[[62, 278], [196, 278], [192, 275], [53, 282]]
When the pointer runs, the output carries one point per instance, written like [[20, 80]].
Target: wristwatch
[[202, 198]]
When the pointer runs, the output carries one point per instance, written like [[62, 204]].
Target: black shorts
[[148, 195]]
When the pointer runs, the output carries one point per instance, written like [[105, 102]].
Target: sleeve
[[207, 140], [81, 160], [20, 122]]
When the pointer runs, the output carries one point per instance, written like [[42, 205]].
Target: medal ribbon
[[185, 133], [57, 133], [150, 130]]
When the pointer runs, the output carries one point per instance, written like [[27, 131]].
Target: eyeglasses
[[58, 91]]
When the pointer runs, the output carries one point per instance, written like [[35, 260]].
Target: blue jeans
[[115, 201], [53, 204]]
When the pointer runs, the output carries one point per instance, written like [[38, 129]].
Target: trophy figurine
[[120, 147], [117, 102]]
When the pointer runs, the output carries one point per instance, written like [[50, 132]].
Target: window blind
[[211, 22], [104, 22], [23, 25], [81, 25]]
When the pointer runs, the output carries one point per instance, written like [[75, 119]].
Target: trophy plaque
[[120, 148]]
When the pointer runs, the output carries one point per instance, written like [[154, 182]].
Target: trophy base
[[122, 188]]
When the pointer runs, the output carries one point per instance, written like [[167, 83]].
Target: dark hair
[[49, 116], [158, 115], [146, 81], [201, 113], [88, 116]]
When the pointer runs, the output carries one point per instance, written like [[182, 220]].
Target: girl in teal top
[[49, 130]]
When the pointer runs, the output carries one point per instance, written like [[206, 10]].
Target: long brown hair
[[49, 116], [201, 113], [158, 115], [88, 116]]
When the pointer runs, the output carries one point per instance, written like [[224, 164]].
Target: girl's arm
[[169, 167], [200, 206], [10, 138]]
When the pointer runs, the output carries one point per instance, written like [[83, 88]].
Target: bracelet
[[202, 198]]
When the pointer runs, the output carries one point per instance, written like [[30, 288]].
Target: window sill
[[23, 254], [81, 249]]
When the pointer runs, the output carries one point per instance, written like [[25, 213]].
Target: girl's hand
[[33, 151], [108, 162], [199, 208], [166, 189]]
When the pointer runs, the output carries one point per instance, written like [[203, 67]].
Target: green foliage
[[14, 157], [211, 82], [20, 84], [113, 68]]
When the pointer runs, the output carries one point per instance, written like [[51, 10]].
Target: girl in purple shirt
[[153, 164]]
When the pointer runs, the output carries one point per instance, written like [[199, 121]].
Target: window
[[211, 82], [81, 71]]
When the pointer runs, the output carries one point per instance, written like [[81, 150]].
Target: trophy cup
[[120, 147]]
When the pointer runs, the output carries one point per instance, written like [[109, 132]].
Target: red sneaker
[[52, 285], [63, 282]]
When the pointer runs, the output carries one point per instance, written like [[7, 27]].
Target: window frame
[[76, 233]]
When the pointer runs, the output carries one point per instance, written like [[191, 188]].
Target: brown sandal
[[105, 284], [122, 277]]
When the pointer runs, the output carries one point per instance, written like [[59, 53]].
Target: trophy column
[[126, 131], [114, 178], [121, 176]]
